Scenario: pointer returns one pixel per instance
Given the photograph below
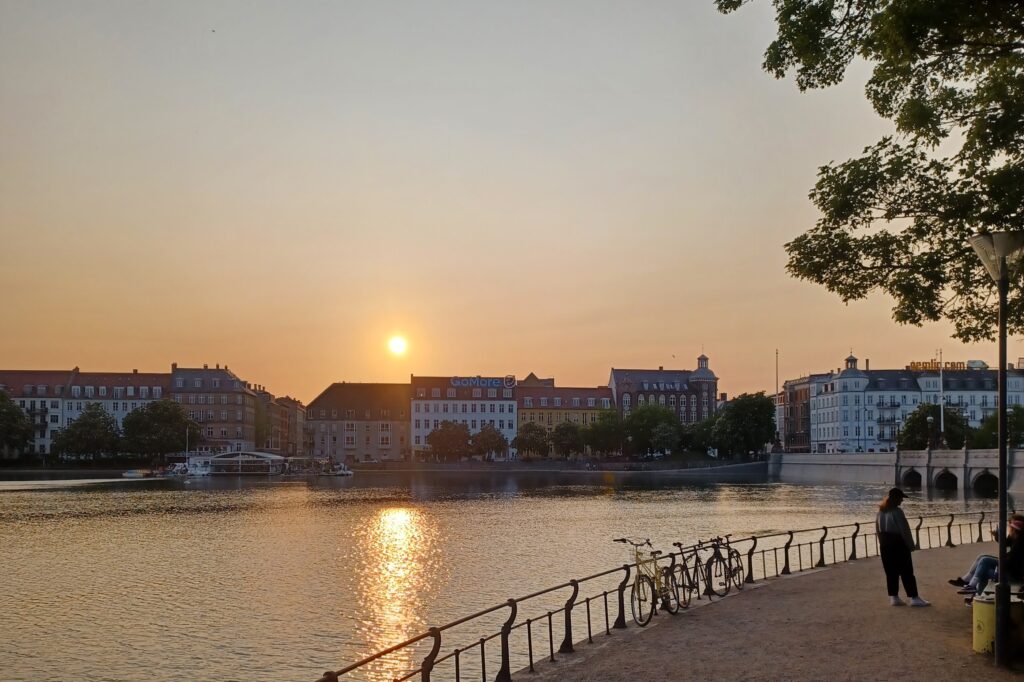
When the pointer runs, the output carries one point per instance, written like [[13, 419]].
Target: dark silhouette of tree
[[449, 442]]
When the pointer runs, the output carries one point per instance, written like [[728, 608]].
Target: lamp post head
[[931, 420], [997, 249]]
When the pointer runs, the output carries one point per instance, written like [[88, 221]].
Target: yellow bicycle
[[653, 583]]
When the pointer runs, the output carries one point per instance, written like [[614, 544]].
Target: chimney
[[135, 371], [867, 364], [205, 366], [217, 365], [660, 368], [174, 366]]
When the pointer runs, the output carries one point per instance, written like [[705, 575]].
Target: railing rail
[[802, 550]]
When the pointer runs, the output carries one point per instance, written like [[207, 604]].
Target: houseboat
[[241, 464]]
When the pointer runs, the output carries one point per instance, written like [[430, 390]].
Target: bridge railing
[[560, 616]]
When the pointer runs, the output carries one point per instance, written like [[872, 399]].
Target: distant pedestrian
[[895, 544]]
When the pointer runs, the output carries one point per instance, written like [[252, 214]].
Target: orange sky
[[514, 186]]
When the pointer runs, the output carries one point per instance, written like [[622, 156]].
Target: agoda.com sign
[[508, 381]]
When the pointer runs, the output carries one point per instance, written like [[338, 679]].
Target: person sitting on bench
[[985, 566]]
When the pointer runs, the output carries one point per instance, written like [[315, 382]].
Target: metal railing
[[764, 556]]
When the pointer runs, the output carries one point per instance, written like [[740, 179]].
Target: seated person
[[984, 568]]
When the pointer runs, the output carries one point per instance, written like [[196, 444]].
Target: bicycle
[[718, 573], [652, 583]]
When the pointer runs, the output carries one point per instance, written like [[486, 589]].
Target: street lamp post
[[1000, 252], [931, 438]]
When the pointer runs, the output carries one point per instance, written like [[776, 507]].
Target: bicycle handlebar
[[635, 543]]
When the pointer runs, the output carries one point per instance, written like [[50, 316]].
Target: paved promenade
[[829, 624]]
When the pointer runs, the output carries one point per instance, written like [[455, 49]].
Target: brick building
[[360, 422]]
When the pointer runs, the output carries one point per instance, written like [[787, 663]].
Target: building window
[[435, 393], [477, 393], [451, 393], [179, 383], [543, 402], [506, 393], [197, 383], [527, 402], [492, 393], [558, 402]]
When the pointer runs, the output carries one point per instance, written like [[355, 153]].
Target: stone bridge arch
[[985, 483], [911, 478], [946, 480]]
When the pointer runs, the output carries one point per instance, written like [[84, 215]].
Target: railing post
[[949, 531], [981, 537], [566, 647], [785, 552], [428, 660], [750, 560], [821, 547], [853, 542], [620, 620], [917, 532], [504, 673]]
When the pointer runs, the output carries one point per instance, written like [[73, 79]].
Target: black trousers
[[897, 564]]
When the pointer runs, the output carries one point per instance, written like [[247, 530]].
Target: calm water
[[232, 580]]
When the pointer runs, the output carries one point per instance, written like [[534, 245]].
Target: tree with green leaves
[[567, 440], [949, 75], [916, 433], [488, 442], [159, 428], [532, 439], [606, 434], [665, 437], [15, 428], [987, 435], [450, 441], [93, 434], [642, 423], [697, 437], [745, 425]]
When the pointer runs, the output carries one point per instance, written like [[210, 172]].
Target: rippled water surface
[[276, 580]]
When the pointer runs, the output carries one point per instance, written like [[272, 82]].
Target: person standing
[[895, 544]]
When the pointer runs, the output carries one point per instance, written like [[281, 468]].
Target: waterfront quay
[[831, 623]]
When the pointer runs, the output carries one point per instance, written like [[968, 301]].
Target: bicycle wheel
[[670, 592], [736, 571], [717, 576], [641, 600], [683, 585]]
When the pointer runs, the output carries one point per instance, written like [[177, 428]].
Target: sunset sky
[[558, 187]]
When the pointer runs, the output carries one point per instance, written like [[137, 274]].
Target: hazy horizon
[[557, 188]]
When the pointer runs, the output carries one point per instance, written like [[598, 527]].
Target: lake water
[[229, 579]]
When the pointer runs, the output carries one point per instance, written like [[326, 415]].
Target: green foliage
[[532, 439], [697, 437], [745, 425], [916, 433], [567, 439], [488, 441], [987, 435], [666, 437], [949, 75], [94, 433], [15, 428], [606, 434], [449, 442], [644, 421], [159, 428]]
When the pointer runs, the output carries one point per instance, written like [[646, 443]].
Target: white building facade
[[855, 410], [472, 401]]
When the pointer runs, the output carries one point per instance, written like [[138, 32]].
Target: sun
[[397, 345]]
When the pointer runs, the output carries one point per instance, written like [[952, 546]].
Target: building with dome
[[691, 394]]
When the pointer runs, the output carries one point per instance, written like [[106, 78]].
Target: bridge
[[964, 470]]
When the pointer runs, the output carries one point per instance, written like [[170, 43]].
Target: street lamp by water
[[931, 423], [1000, 252]]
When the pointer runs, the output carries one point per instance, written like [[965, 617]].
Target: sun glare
[[397, 345]]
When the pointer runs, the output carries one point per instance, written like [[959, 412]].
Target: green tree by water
[[532, 440], [93, 434], [745, 425], [948, 74], [15, 428], [642, 423], [916, 432], [987, 435], [450, 442], [159, 428], [605, 434], [567, 440], [488, 442], [665, 437]]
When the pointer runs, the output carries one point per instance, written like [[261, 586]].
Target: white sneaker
[[896, 601], [917, 601]]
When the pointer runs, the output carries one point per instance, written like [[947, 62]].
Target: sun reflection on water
[[398, 574]]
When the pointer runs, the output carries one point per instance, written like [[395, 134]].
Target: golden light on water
[[398, 345]]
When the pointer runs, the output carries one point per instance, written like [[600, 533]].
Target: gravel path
[[829, 624]]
